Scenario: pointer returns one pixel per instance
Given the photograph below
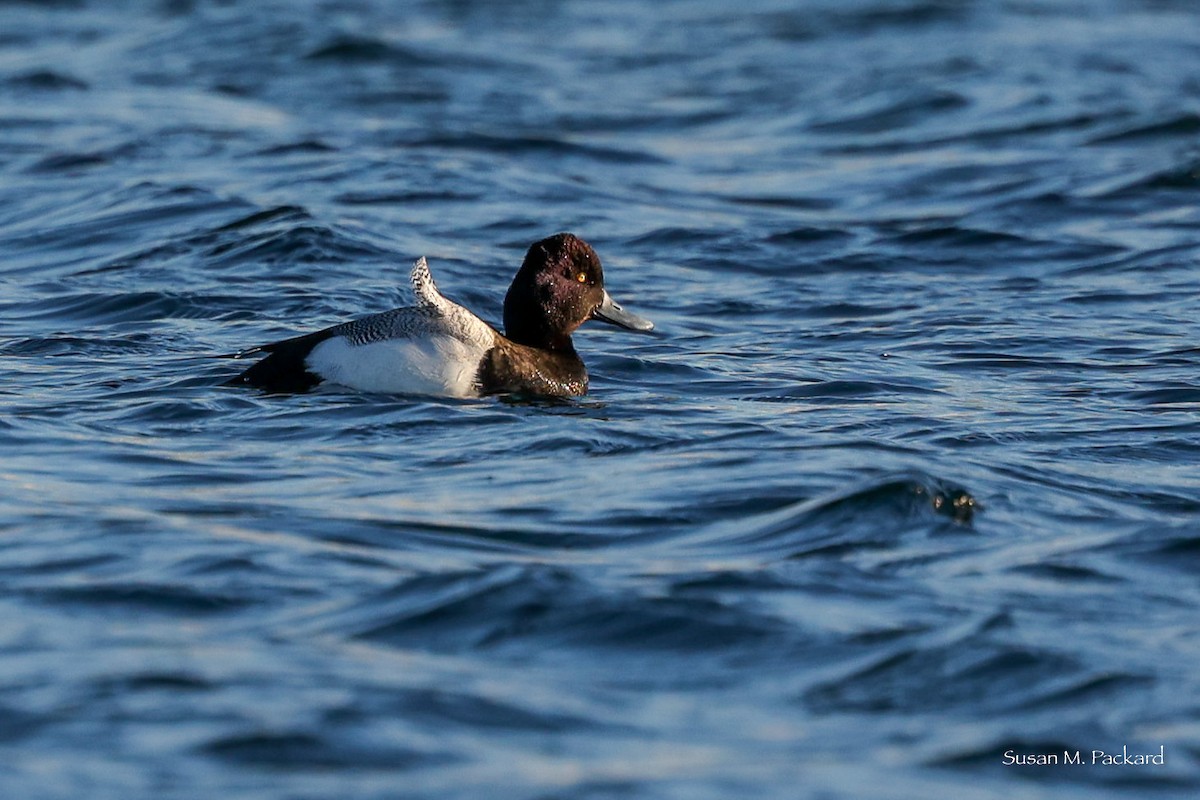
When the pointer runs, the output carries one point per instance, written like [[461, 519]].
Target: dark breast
[[511, 367]]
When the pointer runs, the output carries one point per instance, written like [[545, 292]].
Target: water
[[906, 479]]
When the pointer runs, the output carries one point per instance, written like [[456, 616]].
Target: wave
[[541, 145], [514, 606], [973, 665], [871, 515], [162, 598], [1185, 126]]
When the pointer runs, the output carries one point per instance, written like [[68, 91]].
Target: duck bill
[[610, 312]]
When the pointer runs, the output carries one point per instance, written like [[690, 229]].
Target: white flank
[[432, 365], [434, 352]]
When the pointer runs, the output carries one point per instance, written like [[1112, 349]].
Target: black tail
[[284, 369]]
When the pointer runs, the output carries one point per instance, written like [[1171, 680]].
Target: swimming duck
[[437, 347]]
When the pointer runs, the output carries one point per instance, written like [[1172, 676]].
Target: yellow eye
[[581, 277]]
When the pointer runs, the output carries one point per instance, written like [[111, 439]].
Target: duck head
[[559, 287]]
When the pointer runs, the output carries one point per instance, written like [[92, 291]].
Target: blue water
[[906, 479]]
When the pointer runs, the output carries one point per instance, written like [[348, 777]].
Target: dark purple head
[[559, 287]]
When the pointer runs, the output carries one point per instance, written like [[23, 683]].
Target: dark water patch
[[869, 263], [960, 237], [1176, 550], [1181, 177], [96, 309], [701, 379], [813, 235], [274, 214], [1091, 689], [235, 89], [100, 224], [145, 597], [976, 359], [46, 80], [833, 22], [882, 144], [152, 681], [1161, 451], [1180, 125], [291, 245], [165, 681], [592, 122], [58, 346], [887, 113], [676, 237], [1067, 573], [1185, 395], [431, 535], [966, 246], [1115, 297], [541, 146], [840, 390], [402, 98], [352, 49], [304, 147], [1066, 488], [784, 202], [598, 445], [855, 311], [943, 677], [170, 413], [902, 15], [442, 706], [866, 517], [1121, 351], [738, 581], [387, 198], [53, 566], [503, 607], [17, 724], [309, 752], [77, 162], [209, 565], [1179, 356]]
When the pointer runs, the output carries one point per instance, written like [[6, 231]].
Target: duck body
[[437, 347]]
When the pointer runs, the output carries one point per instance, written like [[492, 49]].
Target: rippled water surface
[[907, 477]]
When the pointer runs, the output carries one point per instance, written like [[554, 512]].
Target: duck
[[440, 348]]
